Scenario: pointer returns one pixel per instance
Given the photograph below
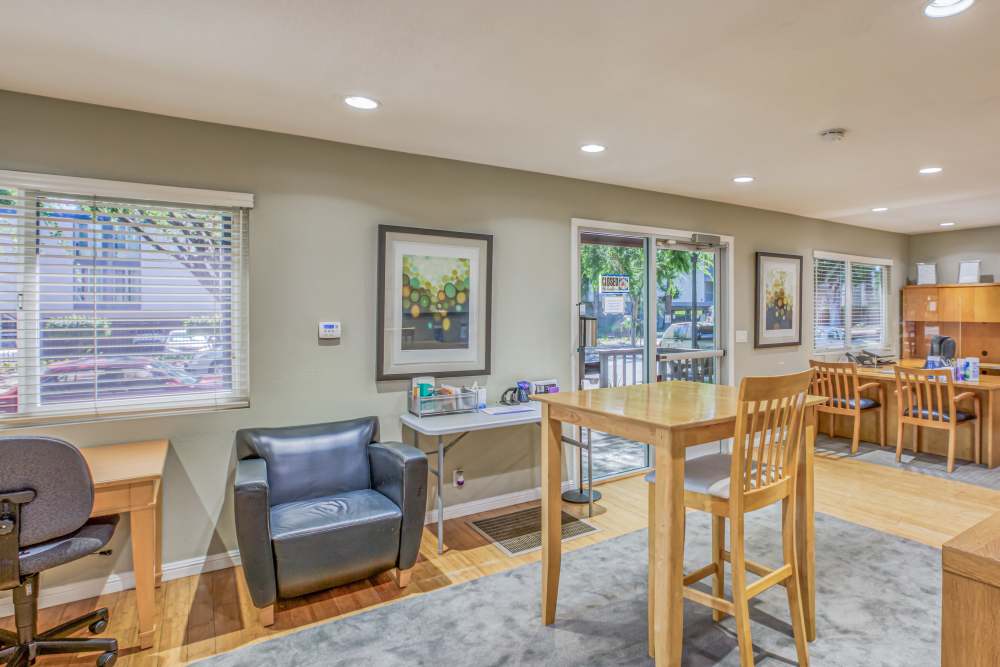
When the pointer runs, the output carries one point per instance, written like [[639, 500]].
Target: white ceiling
[[686, 94]]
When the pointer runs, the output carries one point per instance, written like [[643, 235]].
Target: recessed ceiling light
[[939, 9], [880, 209], [593, 148], [947, 224], [358, 102], [743, 179], [931, 170]]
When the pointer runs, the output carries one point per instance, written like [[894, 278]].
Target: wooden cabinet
[[970, 597], [970, 314], [986, 302], [920, 304], [956, 304]]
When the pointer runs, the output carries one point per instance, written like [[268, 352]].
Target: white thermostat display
[[329, 330]]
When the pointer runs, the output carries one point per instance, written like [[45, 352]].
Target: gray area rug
[[925, 464], [878, 604]]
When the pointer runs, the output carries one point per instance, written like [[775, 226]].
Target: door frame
[[726, 332]]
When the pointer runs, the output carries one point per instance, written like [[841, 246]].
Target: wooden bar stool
[[838, 381], [926, 397], [761, 472]]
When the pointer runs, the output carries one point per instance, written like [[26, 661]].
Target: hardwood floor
[[212, 613]]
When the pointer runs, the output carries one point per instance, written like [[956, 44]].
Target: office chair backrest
[[943, 346], [311, 461], [58, 474]]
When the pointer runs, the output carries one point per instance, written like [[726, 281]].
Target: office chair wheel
[[98, 626], [107, 659]]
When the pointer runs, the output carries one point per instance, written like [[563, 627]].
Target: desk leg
[[551, 513], [158, 517], [440, 494], [805, 528], [668, 552], [144, 564]]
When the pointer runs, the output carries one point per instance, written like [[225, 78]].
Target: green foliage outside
[[597, 259]]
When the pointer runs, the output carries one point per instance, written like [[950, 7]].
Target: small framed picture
[[926, 274], [434, 303], [968, 271], [778, 302]]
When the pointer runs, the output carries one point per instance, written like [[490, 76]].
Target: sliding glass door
[[688, 336], [654, 302], [613, 271]]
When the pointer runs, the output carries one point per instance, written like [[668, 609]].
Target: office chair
[[46, 496], [943, 346]]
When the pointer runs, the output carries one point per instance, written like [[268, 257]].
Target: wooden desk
[[127, 479], [670, 416], [932, 440], [970, 597]]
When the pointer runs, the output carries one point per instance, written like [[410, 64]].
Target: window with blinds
[[850, 297], [112, 306]]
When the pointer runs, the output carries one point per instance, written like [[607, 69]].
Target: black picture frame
[[758, 286], [380, 370]]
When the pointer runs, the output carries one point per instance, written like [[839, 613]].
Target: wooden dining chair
[[839, 382], [759, 473], [926, 397]]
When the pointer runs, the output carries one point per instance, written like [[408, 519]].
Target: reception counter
[[933, 441]]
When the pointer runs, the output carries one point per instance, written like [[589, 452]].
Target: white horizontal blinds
[[829, 302], [868, 304], [118, 305]]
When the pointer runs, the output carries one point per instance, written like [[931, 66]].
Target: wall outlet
[[741, 336], [458, 478]]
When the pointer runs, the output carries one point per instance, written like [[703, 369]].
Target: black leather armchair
[[323, 505]]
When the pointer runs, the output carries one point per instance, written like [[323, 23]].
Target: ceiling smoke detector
[[834, 134]]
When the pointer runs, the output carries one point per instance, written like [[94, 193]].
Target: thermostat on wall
[[328, 330]]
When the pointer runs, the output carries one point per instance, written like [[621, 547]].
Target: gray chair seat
[[707, 474], [933, 414], [91, 537], [332, 540], [866, 403]]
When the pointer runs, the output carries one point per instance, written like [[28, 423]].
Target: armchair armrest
[[399, 472], [966, 394], [869, 385], [252, 507]]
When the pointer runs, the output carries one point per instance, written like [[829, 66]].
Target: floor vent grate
[[520, 531]]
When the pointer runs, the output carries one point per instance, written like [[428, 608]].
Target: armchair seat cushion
[[332, 540], [866, 403], [933, 414]]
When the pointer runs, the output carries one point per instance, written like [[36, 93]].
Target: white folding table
[[460, 425]]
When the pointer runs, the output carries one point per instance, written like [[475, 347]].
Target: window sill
[[65, 418]]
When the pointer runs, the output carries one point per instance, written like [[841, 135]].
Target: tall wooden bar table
[[670, 416]]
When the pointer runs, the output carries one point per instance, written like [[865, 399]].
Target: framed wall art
[[778, 300], [434, 303]]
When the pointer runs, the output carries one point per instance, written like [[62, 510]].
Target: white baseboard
[[496, 502], [89, 588], [122, 581]]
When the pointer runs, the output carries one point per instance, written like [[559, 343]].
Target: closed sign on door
[[614, 283]]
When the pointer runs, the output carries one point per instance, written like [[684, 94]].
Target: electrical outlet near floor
[[458, 478]]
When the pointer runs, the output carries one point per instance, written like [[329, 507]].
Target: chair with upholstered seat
[[926, 397], [760, 472], [323, 505], [839, 382], [46, 496]]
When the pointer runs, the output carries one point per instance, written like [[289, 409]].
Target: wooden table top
[[126, 462], [985, 382], [976, 552], [673, 404]]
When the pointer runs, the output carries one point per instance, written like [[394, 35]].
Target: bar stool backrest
[[768, 430]]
